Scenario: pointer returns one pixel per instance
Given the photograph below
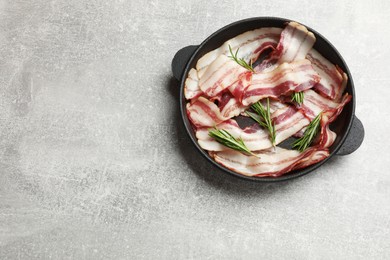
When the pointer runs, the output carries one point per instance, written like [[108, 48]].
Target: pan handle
[[354, 138], [180, 60]]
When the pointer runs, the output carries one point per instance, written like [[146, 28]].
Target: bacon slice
[[333, 79], [294, 44], [327, 136], [287, 120], [237, 89], [274, 104], [203, 112], [255, 138], [191, 85], [313, 104], [315, 157], [229, 106], [288, 77], [251, 44], [220, 74], [273, 162]]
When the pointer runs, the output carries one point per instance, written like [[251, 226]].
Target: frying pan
[[349, 129]]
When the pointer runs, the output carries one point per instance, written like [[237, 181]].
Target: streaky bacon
[[251, 44], [294, 44], [254, 137], [203, 112], [237, 89], [282, 160], [220, 74], [287, 121], [333, 79], [317, 156], [313, 104], [288, 77], [327, 136], [272, 163], [191, 85], [229, 106], [274, 104]]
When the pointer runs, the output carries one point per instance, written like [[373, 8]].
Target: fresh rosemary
[[310, 133], [224, 137], [298, 97], [265, 118], [240, 61]]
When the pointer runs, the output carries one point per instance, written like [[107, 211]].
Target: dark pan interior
[[341, 126]]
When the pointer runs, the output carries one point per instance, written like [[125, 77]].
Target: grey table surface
[[95, 162]]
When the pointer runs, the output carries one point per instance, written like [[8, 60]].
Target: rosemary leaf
[[298, 97], [240, 61], [266, 121], [310, 133], [256, 117], [225, 138]]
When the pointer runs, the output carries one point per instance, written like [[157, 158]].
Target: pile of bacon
[[219, 89]]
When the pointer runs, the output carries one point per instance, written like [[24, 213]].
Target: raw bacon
[[203, 112], [333, 79], [229, 106], [191, 85], [251, 44], [287, 120], [272, 163], [288, 77], [327, 136], [237, 89], [255, 138], [313, 104], [220, 74], [295, 42], [315, 157]]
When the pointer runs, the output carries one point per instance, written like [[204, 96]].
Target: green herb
[[298, 97], [224, 137], [265, 118], [240, 61], [310, 133]]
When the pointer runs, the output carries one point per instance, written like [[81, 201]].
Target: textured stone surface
[[95, 163]]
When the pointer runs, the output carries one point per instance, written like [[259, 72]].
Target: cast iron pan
[[349, 129]]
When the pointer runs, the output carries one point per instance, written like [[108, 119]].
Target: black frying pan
[[349, 129]]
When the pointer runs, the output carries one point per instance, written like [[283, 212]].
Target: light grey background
[[95, 163]]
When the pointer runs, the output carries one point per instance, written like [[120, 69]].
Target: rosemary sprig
[[310, 133], [298, 97], [265, 118], [240, 61], [224, 137]]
